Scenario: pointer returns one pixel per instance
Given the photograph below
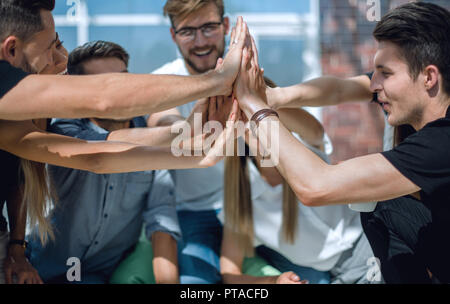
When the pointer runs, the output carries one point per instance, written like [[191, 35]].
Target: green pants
[[137, 268]]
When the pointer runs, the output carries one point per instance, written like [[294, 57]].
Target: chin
[[396, 122]]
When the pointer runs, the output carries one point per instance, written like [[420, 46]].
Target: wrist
[[253, 105], [218, 82], [273, 97], [16, 252]]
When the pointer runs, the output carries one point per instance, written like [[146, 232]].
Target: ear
[[226, 25], [431, 77], [9, 49], [172, 33]]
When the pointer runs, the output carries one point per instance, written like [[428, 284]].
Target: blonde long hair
[[238, 205], [38, 195]]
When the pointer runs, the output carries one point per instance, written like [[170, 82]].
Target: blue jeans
[[284, 265], [199, 248]]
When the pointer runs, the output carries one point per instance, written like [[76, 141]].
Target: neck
[[436, 110], [111, 125]]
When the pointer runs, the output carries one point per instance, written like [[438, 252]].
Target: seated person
[[262, 214], [98, 218]]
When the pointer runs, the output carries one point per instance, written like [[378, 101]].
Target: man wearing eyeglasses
[[198, 28]]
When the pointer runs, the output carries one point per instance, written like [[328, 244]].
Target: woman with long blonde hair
[[263, 215]]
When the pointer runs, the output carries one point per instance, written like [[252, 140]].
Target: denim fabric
[[284, 265], [199, 249]]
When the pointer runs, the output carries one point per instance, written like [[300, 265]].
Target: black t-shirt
[[9, 164], [424, 158]]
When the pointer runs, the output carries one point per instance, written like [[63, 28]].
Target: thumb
[[294, 277], [219, 63]]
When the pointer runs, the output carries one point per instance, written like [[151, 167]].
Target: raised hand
[[217, 151], [229, 68], [219, 109], [208, 114], [250, 88]]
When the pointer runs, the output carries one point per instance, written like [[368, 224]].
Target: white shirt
[[323, 233], [195, 189]]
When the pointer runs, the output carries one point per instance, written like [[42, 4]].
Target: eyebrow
[[196, 27], [380, 67]]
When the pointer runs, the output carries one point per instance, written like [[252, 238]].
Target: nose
[[199, 39], [375, 83]]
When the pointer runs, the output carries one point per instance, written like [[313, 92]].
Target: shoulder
[[9, 77], [426, 144], [423, 156]]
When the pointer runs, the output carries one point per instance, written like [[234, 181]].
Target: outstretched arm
[[316, 183], [305, 125], [163, 136], [323, 91], [118, 95], [25, 140]]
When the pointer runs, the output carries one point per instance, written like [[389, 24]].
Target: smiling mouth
[[203, 53]]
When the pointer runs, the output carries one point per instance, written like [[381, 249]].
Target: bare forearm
[[304, 124], [156, 137], [104, 96], [16, 215], [165, 261], [324, 91], [141, 158], [316, 183], [99, 157]]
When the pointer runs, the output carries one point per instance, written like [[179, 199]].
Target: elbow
[[104, 104], [312, 196]]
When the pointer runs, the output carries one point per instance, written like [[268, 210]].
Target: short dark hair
[[421, 31], [94, 49], [22, 18]]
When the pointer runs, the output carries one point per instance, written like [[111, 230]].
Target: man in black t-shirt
[[412, 82], [10, 163], [28, 39]]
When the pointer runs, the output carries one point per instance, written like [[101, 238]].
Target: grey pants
[[357, 266]]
